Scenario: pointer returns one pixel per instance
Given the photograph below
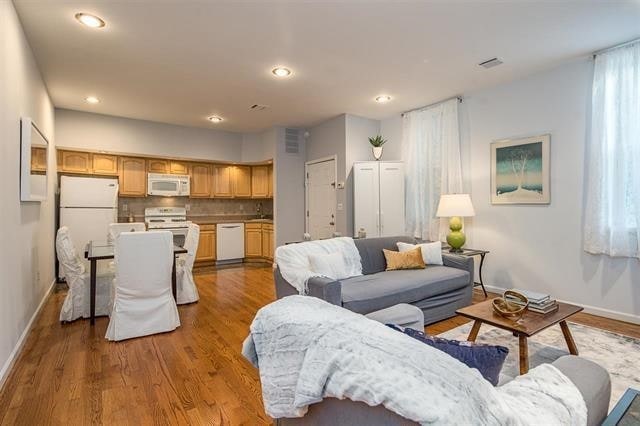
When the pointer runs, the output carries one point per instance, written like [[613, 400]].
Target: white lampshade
[[455, 205]]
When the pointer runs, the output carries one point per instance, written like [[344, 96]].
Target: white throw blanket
[[307, 349], [293, 259]]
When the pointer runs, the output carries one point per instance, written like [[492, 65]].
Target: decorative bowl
[[509, 309]]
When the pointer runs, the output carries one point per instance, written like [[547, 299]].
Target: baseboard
[[6, 368], [594, 310]]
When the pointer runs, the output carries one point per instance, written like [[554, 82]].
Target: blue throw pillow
[[487, 359]]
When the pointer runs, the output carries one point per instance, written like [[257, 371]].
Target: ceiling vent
[[494, 62], [291, 141], [258, 107]]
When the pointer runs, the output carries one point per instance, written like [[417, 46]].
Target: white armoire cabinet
[[378, 198]]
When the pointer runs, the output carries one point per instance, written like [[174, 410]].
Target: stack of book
[[538, 302]]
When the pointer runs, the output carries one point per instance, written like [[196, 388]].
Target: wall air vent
[[258, 107], [494, 62], [291, 141]]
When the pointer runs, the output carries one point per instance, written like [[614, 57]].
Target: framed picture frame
[[520, 170]]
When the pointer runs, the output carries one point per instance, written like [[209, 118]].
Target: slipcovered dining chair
[[142, 300], [116, 229], [187, 292], [77, 303]]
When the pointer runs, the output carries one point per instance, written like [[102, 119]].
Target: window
[[612, 208]]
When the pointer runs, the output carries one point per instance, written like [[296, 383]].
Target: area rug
[[618, 354]]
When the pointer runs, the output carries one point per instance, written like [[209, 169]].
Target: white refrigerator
[[87, 207]]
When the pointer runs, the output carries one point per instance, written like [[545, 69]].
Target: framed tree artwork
[[520, 171]]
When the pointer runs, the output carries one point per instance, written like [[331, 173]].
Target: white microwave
[[168, 185]]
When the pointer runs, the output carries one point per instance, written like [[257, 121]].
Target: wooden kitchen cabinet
[[259, 181], [222, 177], [158, 166], [267, 241], [207, 244], [74, 162], [178, 167], [241, 181], [270, 182], [133, 177], [253, 240], [200, 180], [104, 164]]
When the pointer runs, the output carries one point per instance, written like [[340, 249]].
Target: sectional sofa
[[437, 290]]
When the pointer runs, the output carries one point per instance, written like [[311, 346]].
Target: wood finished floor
[[69, 374]]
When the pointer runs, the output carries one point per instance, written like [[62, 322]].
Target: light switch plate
[[187, 207], [339, 206]]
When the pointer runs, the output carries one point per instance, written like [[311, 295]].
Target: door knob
[[332, 223]]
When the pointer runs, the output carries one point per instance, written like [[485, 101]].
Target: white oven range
[[172, 219]]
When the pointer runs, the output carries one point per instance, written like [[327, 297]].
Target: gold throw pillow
[[411, 259]]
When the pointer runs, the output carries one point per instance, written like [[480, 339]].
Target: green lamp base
[[456, 237]]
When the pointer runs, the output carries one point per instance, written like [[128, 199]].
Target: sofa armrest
[[325, 289], [592, 381], [460, 262], [320, 287]]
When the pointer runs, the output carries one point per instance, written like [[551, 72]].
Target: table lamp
[[455, 206]]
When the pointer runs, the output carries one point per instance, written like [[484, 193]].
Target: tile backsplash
[[197, 206]]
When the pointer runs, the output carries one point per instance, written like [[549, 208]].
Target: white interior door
[[366, 201], [321, 198], [391, 199]]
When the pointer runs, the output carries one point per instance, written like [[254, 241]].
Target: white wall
[[83, 130], [257, 147], [27, 252], [540, 247], [391, 130], [289, 187]]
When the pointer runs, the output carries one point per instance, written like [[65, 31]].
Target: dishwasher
[[229, 242]]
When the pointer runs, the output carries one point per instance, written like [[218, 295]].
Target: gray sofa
[[437, 290], [591, 379]]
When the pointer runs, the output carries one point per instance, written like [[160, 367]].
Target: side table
[[471, 253]]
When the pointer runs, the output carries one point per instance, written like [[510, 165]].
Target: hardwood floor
[[69, 374]]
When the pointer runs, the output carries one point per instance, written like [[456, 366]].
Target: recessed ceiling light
[[215, 119], [92, 99], [383, 98], [281, 72], [89, 20]]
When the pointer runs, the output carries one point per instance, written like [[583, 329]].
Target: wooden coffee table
[[530, 324]]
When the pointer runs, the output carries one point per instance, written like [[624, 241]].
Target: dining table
[[102, 250]]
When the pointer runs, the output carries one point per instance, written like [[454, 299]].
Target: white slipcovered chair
[[186, 286], [142, 301], [77, 303], [116, 229]]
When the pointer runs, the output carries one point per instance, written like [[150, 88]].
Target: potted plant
[[377, 142]]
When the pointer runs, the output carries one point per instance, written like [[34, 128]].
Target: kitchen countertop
[[212, 220]]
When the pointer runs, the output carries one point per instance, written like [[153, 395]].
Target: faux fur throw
[[293, 259], [307, 349]]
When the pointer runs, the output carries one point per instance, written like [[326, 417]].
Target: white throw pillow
[[431, 252], [330, 265]]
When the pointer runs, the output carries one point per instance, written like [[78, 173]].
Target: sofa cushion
[[411, 259], [487, 359], [368, 293], [371, 254]]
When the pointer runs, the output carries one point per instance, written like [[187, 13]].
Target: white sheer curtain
[[431, 152], [612, 214]]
